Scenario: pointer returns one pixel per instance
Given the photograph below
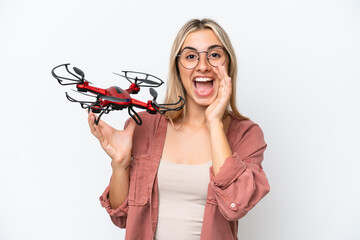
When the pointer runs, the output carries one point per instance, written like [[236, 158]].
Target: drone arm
[[133, 89], [84, 87], [148, 106]]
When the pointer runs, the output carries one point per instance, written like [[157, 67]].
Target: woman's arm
[[241, 182], [114, 198], [118, 145], [237, 178], [220, 148], [119, 186]]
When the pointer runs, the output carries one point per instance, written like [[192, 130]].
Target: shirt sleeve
[[118, 215], [241, 182]]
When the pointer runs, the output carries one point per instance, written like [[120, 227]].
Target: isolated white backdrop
[[298, 78]]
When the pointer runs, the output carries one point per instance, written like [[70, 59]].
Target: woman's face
[[201, 83]]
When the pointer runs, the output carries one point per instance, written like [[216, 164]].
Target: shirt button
[[232, 205]]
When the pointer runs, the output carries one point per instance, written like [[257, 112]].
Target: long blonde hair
[[174, 84]]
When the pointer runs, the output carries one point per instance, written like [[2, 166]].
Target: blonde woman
[[194, 173]]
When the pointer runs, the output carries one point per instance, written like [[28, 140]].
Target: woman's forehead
[[201, 40]]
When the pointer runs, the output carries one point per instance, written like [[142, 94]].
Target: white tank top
[[182, 198]]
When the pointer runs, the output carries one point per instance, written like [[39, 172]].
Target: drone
[[116, 98]]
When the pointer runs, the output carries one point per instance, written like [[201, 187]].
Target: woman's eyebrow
[[191, 48], [211, 47], [215, 46]]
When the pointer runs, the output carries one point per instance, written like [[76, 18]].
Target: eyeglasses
[[215, 55]]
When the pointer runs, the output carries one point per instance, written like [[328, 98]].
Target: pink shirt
[[239, 185]]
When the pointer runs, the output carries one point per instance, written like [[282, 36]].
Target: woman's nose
[[203, 64]]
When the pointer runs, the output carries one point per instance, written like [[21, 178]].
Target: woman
[[193, 173]]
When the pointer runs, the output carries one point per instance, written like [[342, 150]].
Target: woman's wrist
[[215, 124], [120, 165]]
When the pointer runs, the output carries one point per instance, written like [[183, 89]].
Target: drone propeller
[[141, 80], [153, 93], [84, 93], [113, 99], [163, 108], [136, 80], [67, 80], [146, 81], [108, 98], [95, 107], [79, 72], [84, 104]]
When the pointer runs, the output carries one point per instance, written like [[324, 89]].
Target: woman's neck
[[195, 117], [195, 114]]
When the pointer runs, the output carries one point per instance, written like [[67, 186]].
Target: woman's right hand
[[116, 143]]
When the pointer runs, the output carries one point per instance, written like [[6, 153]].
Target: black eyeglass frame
[[207, 58]]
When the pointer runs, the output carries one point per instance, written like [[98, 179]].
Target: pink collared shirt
[[240, 184]]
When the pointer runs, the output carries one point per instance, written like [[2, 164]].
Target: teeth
[[202, 79]]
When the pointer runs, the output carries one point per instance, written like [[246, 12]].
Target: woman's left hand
[[215, 111]]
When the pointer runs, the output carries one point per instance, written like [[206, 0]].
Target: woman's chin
[[204, 101]]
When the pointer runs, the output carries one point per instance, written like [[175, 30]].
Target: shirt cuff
[[232, 168], [105, 203]]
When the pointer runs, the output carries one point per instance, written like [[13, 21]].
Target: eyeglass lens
[[189, 58]]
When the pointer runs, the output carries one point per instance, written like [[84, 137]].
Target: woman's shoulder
[[244, 128], [239, 122]]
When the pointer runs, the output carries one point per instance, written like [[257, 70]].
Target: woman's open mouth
[[204, 86]]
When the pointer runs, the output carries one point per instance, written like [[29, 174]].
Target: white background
[[298, 78]]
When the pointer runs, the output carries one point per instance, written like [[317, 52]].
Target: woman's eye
[[191, 57], [214, 55]]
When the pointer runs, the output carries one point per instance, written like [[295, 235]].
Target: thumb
[[130, 127]]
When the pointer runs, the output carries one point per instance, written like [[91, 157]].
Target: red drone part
[[115, 98]]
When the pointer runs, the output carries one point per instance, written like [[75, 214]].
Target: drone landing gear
[[101, 111], [134, 115]]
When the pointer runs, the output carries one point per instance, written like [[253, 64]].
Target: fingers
[[216, 70], [222, 74], [98, 130], [99, 133], [130, 128], [95, 129], [224, 80], [91, 122]]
